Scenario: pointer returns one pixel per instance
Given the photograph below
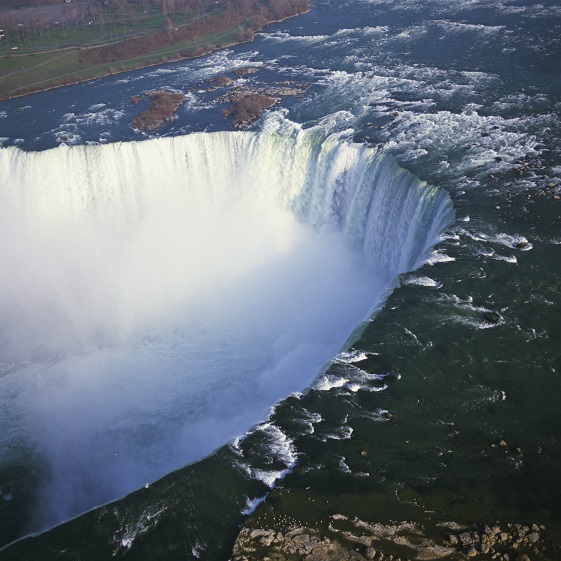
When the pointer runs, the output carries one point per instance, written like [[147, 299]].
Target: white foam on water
[[455, 299], [514, 241], [462, 27], [147, 520], [422, 281], [282, 37], [485, 252], [103, 117], [162, 72], [328, 382], [507, 258], [374, 388], [217, 63], [475, 235], [417, 135], [67, 137], [362, 375], [309, 420], [379, 415], [342, 432], [354, 355], [277, 448], [463, 311], [281, 447], [438, 256], [252, 504], [343, 465], [470, 138], [353, 386], [269, 477]]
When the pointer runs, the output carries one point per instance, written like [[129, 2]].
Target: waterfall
[[159, 296]]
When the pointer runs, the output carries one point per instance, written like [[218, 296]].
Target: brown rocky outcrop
[[163, 104]]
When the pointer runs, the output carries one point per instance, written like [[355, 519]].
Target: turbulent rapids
[[159, 296]]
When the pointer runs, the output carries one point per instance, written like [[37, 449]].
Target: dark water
[[466, 96]]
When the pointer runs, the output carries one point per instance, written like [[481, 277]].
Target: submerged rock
[[492, 317], [246, 70]]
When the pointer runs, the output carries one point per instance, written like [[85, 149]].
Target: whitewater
[[158, 297], [189, 284]]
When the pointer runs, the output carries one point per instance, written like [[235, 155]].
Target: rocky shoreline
[[203, 48], [353, 539]]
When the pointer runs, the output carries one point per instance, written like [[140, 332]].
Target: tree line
[[249, 15], [28, 24], [105, 12]]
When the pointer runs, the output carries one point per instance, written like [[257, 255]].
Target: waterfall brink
[[159, 296]]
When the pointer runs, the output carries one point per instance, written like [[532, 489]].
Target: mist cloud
[[158, 298]]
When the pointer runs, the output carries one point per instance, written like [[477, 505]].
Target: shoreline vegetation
[[54, 46]]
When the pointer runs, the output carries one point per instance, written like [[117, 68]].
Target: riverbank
[[24, 74], [280, 530]]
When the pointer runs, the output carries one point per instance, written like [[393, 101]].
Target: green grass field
[[54, 56], [91, 31], [43, 71]]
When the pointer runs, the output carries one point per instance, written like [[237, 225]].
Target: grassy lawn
[[39, 70], [18, 62], [90, 32], [32, 74], [54, 54]]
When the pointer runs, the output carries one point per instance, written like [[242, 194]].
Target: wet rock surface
[[162, 108], [246, 70], [510, 542], [247, 102], [246, 106], [352, 539], [245, 97]]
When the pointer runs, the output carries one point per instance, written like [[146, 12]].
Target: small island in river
[[163, 104], [243, 102]]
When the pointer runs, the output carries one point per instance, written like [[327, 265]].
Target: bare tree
[[8, 22], [168, 7], [39, 24]]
